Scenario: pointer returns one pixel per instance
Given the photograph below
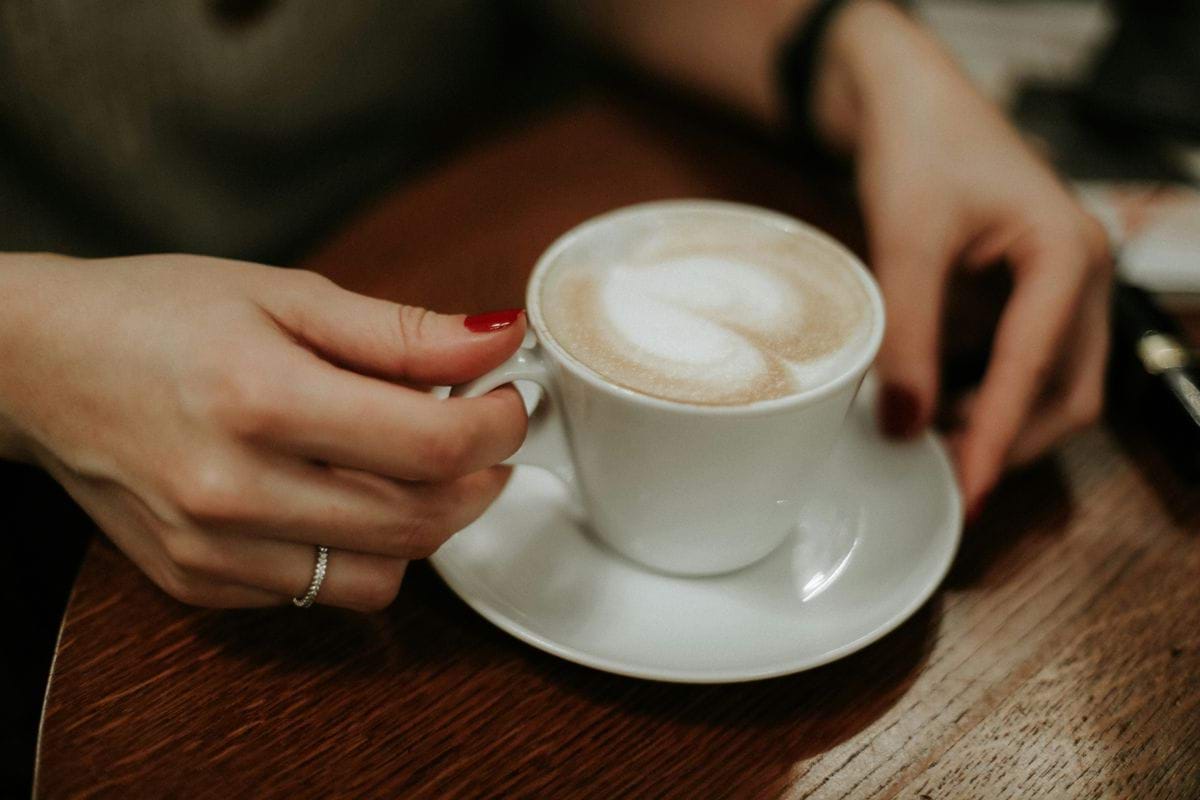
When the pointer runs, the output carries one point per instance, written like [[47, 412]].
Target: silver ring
[[314, 586]]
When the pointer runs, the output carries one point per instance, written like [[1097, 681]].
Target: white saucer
[[867, 554]]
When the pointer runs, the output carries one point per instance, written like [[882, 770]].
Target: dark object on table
[[1144, 85], [1154, 377], [1053, 116], [1148, 76]]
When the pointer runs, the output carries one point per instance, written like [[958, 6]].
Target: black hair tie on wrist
[[797, 67]]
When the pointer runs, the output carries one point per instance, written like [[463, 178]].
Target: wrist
[[22, 276], [872, 56]]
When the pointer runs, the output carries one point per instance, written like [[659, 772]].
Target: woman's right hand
[[218, 419]]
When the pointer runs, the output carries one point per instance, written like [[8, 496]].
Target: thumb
[[913, 283], [394, 341]]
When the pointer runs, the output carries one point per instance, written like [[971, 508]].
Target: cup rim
[[852, 373]]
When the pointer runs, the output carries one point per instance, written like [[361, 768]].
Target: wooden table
[[1061, 658]]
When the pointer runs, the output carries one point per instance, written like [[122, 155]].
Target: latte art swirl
[[715, 315]]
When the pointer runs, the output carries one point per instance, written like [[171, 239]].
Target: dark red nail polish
[[898, 411], [492, 320]]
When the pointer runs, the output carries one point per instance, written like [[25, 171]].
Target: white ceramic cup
[[682, 488]]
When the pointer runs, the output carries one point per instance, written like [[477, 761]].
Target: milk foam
[[673, 311], [726, 312]]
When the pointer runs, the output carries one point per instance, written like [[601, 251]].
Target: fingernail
[[492, 320], [976, 509], [898, 411]]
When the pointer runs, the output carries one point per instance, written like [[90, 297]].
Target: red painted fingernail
[[898, 411], [492, 320]]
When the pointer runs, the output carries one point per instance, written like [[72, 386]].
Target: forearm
[[20, 288], [872, 55], [725, 51]]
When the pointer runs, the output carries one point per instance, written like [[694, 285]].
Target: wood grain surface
[[1061, 658]]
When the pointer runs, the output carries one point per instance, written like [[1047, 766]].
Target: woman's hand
[[219, 419], [945, 182]]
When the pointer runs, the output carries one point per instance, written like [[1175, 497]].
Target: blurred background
[[1110, 91]]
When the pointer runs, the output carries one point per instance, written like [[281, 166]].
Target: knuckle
[[259, 420], [209, 491], [1080, 245], [251, 405], [308, 280], [1085, 408], [444, 454], [515, 425], [380, 586], [189, 553], [183, 588], [411, 322], [422, 537], [237, 395], [1042, 368], [1057, 250], [417, 536]]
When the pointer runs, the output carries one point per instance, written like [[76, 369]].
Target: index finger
[[350, 420], [1049, 282]]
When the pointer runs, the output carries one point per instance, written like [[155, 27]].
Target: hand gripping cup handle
[[546, 440]]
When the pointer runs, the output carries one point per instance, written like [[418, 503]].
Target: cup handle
[[545, 443]]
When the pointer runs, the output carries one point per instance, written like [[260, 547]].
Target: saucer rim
[[506, 623]]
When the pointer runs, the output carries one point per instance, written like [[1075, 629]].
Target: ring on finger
[[318, 577]]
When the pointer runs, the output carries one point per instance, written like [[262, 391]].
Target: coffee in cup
[[709, 309]]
